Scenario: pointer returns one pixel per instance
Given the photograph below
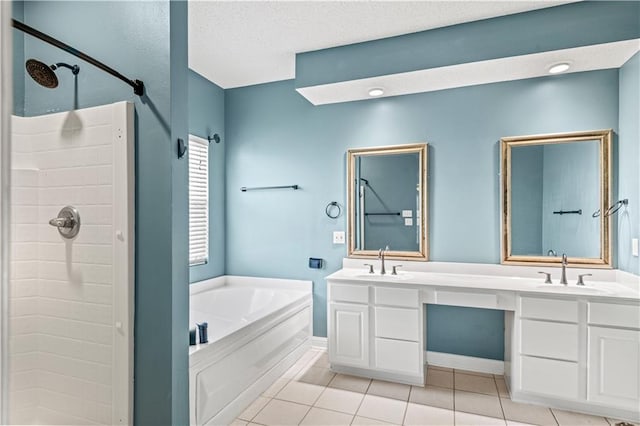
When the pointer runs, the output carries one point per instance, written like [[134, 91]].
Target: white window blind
[[198, 200]]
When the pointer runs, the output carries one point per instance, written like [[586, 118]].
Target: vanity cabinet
[[549, 347], [380, 336], [614, 355]]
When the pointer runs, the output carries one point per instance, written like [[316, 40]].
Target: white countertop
[[627, 290]]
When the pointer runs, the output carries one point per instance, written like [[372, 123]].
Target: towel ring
[[616, 206], [329, 208]]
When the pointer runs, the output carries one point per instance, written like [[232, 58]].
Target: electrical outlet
[[634, 247], [338, 237]]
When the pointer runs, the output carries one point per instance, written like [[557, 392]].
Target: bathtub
[[258, 328]]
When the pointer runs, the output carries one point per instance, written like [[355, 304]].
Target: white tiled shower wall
[[62, 291]]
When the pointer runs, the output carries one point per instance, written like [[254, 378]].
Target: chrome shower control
[[67, 222]]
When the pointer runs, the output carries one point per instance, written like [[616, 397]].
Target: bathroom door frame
[[6, 102]]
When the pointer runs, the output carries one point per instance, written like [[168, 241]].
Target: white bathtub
[[258, 328]]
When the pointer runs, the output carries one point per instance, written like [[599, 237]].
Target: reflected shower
[[44, 74]]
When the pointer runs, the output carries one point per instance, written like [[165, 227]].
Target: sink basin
[[557, 288], [386, 277]]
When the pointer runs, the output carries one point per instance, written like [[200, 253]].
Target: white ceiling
[[240, 43]]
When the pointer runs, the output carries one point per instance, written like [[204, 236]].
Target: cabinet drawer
[[402, 297], [549, 309], [397, 323], [549, 339], [459, 298], [397, 355], [549, 377], [349, 293], [614, 315]]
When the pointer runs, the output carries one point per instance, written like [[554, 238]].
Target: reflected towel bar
[[568, 212], [382, 214], [259, 188]]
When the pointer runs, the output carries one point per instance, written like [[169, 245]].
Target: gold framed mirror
[[387, 201], [555, 190]]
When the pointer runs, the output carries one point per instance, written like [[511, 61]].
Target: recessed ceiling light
[[376, 92], [559, 67]]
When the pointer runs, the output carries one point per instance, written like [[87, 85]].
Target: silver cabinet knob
[[67, 222]]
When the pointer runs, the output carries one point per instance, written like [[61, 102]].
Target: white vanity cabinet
[[614, 355], [376, 331]]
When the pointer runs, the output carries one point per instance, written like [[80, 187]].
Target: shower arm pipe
[[138, 85]]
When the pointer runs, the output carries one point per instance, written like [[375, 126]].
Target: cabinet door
[[349, 334], [614, 367]]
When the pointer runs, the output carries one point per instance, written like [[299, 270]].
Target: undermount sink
[[558, 288], [386, 277]]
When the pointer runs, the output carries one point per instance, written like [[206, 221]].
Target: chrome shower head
[[45, 75]]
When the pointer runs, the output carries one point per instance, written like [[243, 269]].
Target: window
[[198, 200]]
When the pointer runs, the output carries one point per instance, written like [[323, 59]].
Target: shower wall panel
[[71, 299]]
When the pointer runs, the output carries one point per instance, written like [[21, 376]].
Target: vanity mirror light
[[387, 201], [554, 188]]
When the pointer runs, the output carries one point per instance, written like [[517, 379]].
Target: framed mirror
[[387, 201], [555, 189]]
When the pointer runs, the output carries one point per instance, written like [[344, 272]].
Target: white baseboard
[[319, 342], [461, 362]]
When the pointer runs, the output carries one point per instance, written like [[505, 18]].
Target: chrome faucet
[[381, 257], [563, 277]]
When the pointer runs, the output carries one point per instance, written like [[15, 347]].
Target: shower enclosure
[[67, 265]]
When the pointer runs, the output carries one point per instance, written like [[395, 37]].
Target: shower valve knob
[[67, 222]]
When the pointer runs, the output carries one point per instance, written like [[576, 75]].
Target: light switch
[[408, 221], [407, 213], [634, 247], [338, 237]]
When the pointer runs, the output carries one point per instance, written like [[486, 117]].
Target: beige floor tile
[[437, 367], [254, 408], [389, 390], [440, 378], [512, 423], [420, 415], [322, 417], [275, 387], [473, 383], [277, 413], [614, 422], [340, 400], [238, 422], [322, 361], [385, 409], [302, 393], [363, 421], [316, 376], [433, 396], [473, 373], [527, 413], [476, 403], [569, 418], [467, 419], [292, 371], [350, 383], [503, 391]]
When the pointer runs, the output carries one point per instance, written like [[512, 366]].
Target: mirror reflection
[[386, 200], [556, 186]]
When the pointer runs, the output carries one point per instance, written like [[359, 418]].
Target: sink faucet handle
[[548, 277], [370, 267], [394, 269], [564, 259], [580, 280]]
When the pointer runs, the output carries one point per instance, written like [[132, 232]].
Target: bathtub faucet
[[381, 257]]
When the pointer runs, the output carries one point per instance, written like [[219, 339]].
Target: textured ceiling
[[240, 43]]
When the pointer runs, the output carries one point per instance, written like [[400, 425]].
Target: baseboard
[[462, 362], [319, 342]]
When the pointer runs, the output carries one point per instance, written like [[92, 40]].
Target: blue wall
[[628, 219], [206, 117], [526, 200], [276, 137], [147, 41]]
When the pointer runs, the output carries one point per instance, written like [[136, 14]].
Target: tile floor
[[310, 394]]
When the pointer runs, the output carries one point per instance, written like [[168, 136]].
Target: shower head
[[44, 74]]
